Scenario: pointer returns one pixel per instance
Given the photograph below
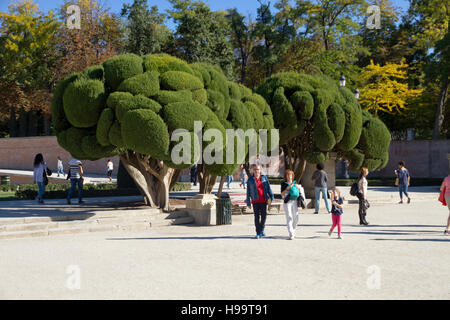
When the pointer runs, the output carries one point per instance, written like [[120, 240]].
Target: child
[[336, 211]]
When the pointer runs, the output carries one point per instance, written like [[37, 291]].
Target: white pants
[[291, 211]]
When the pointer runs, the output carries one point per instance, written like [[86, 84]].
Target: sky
[[245, 7]]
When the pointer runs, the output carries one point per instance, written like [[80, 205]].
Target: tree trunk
[[47, 124], [439, 118], [300, 170], [12, 123], [175, 178], [152, 177], [219, 193], [23, 123]]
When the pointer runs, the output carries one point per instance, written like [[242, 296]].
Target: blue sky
[[245, 7]]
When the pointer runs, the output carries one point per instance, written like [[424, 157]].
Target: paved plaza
[[402, 254]]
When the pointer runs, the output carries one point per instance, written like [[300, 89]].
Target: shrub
[[105, 122], [146, 84], [177, 80], [119, 68], [181, 115], [165, 96], [83, 102], [145, 132]]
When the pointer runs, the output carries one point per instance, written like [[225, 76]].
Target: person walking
[[229, 180], [362, 196], [445, 190], [60, 166], [109, 169], [320, 179], [76, 179], [194, 174], [336, 211], [243, 177], [259, 195], [39, 175], [290, 192], [402, 181]]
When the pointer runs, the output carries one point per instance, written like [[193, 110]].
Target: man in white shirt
[[110, 168], [76, 179]]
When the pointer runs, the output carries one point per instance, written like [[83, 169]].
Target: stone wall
[[18, 153], [423, 158]]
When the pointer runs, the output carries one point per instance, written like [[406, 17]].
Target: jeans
[[73, 184], [260, 212], [229, 179], [403, 188], [291, 211], [60, 171], [325, 197], [41, 190]]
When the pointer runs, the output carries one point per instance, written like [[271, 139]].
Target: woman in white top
[[38, 175], [362, 196]]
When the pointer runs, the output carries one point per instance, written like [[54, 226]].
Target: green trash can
[[223, 211], [4, 180]]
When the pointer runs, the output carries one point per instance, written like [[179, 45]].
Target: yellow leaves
[[385, 88]]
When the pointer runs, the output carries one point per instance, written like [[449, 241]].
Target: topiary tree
[[316, 117], [131, 106]]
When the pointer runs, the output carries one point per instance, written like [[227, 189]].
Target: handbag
[[442, 197], [366, 204], [301, 202], [44, 175], [396, 181]]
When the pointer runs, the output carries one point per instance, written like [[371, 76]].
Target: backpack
[[294, 192], [354, 189]]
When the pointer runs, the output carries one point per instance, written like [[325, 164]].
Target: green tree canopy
[[316, 117], [131, 105]]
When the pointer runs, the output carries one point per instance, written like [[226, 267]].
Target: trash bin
[[4, 180], [223, 211]]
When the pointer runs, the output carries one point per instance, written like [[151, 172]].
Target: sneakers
[[409, 200], [258, 236], [339, 236], [263, 234], [329, 233], [291, 238], [316, 212]]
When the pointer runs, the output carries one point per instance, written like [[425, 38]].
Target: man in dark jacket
[[260, 195]]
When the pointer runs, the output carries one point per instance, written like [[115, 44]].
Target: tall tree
[[386, 89], [27, 53], [431, 20], [242, 40], [202, 35], [99, 37], [145, 29]]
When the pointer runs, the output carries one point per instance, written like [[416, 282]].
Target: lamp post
[[342, 81], [356, 93]]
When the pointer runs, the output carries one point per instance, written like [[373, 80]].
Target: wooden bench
[[239, 205]]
